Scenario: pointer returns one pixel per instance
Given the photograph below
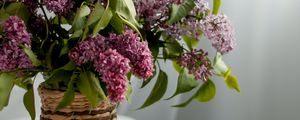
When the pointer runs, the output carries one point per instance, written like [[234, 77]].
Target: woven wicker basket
[[79, 109]]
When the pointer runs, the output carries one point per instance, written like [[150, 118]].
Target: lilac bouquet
[[95, 46]]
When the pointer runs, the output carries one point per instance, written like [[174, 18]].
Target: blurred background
[[266, 62]]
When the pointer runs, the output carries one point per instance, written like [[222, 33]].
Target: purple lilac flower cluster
[[130, 46], [11, 56], [113, 68], [188, 27], [15, 31], [218, 29], [201, 7], [88, 50], [32, 5], [60, 7], [156, 13], [197, 64], [153, 13], [112, 58]]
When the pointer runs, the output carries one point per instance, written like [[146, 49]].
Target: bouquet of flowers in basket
[[95, 46]]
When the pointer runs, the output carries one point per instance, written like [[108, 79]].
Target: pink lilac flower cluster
[[11, 56], [156, 13], [130, 46], [60, 7], [88, 50], [112, 58], [113, 68], [32, 5], [152, 12], [188, 27], [15, 31], [201, 7], [197, 64], [218, 29]]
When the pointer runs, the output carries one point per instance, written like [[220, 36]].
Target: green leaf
[[28, 101], [84, 11], [206, 92], [129, 75], [217, 5], [96, 85], [6, 85], [23, 81], [185, 103], [86, 86], [77, 34], [96, 14], [128, 92], [65, 48], [232, 81], [79, 19], [185, 83], [146, 82], [190, 42], [174, 48], [18, 9], [49, 54], [104, 21], [126, 9], [158, 91], [165, 54], [180, 11], [176, 66], [68, 96], [62, 20], [153, 40], [69, 66], [130, 5], [222, 70], [219, 66], [57, 76], [32, 56], [3, 17], [132, 26], [117, 24]]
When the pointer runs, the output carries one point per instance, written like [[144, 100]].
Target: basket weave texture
[[79, 109]]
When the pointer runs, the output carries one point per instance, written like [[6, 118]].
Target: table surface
[[120, 117]]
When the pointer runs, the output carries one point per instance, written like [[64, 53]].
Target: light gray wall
[[266, 62]]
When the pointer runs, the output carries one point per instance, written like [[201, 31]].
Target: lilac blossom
[[11, 56], [188, 27], [155, 14], [15, 31], [130, 46], [200, 8], [197, 64], [60, 7], [113, 68], [218, 29], [152, 12], [31, 5], [87, 50]]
